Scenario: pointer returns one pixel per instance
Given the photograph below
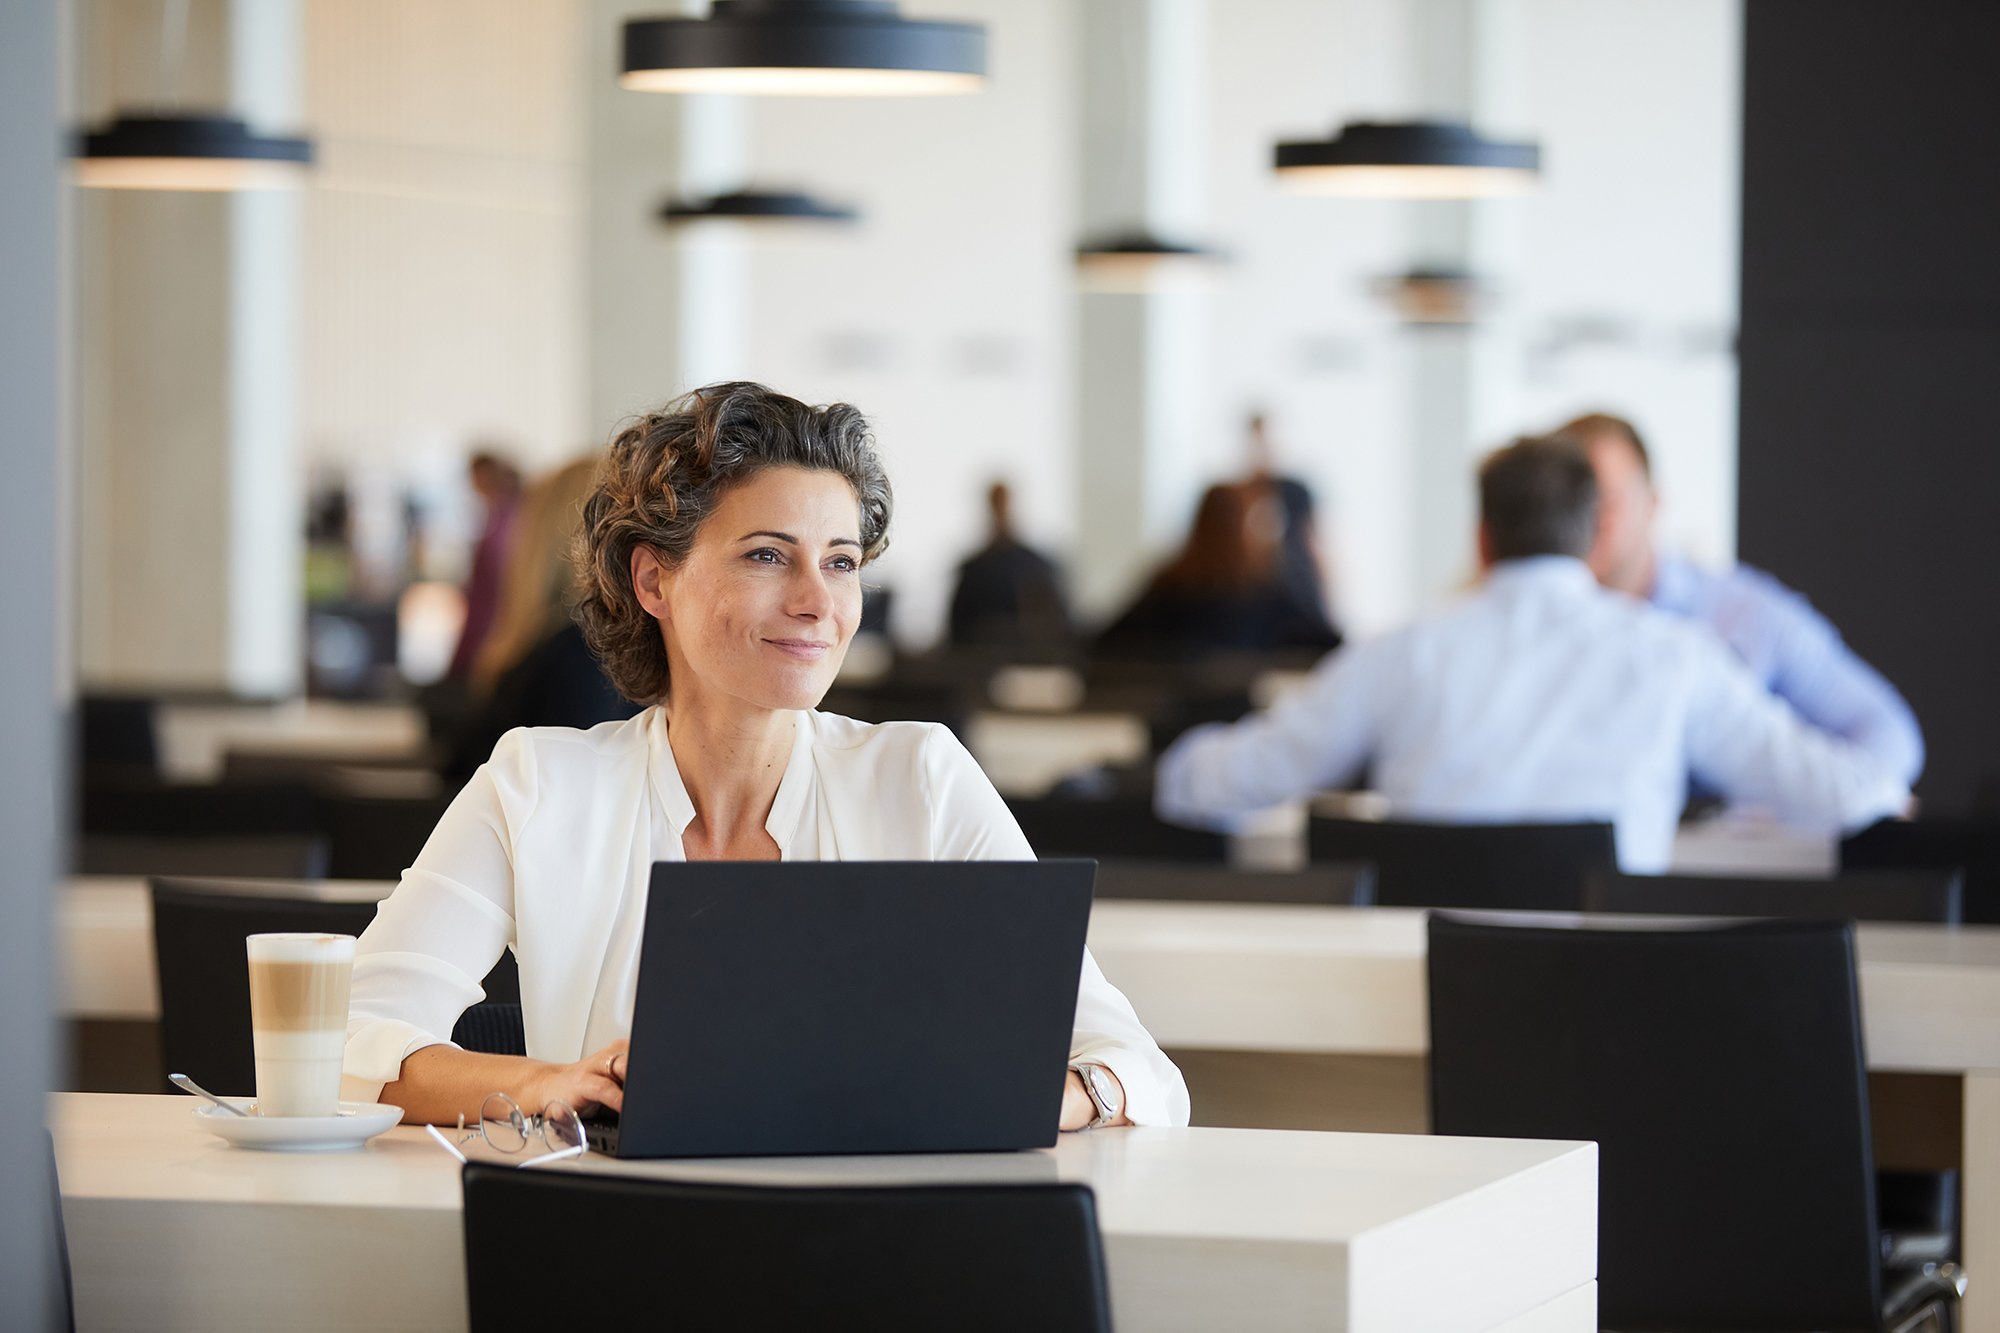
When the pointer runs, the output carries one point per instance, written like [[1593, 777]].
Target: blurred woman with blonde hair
[[534, 669]]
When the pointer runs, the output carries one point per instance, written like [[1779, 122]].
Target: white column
[[1143, 394], [187, 404], [667, 310]]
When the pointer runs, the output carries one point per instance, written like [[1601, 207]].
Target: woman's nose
[[810, 597]]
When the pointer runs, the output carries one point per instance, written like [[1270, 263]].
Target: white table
[[1326, 980], [169, 1228]]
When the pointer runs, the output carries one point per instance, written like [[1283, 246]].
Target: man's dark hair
[[1590, 425], [1538, 496]]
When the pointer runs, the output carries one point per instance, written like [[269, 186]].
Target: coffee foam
[[300, 948]]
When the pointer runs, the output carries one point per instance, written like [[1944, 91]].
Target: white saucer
[[357, 1123]]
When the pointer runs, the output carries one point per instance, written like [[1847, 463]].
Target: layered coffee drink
[[298, 1020]]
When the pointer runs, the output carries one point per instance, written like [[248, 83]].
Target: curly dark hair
[[663, 476]]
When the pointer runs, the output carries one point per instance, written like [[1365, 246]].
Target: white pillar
[[667, 310], [187, 401], [1143, 395]]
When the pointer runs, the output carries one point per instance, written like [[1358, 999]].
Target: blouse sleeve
[[418, 965], [970, 822]]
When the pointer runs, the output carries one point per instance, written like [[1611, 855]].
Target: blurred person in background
[[1301, 564], [1008, 593], [535, 669], [498, 484], [1792, 650], [1537, 697], [1225, 591]]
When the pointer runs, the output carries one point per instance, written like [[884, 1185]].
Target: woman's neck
[[732, 759]]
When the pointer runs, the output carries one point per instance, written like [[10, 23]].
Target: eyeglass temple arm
[[449, 1146]]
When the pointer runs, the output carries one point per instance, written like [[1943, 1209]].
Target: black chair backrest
[[1330, 885], [118, 731], [1116, 826], [133, 804], [1508, 867], [198, 930], [1885, 895], [250, 856], [688, 1254], [1968, 845], [377, 837], [1719, 1068]]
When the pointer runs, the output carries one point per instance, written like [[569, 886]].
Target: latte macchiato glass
[[298, 1020]]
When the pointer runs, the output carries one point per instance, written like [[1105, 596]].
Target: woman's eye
[[765, 556], [843, 563]]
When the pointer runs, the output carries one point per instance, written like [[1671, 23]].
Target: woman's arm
[[441, 1083]]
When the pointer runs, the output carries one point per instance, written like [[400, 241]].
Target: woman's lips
[[806, 650]]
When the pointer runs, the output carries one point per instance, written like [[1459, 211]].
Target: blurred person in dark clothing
[[535, 669], [1225, 591], [1008, 593], [498, 483], [1300, 563]]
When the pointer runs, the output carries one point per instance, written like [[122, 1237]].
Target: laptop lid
[[819, 1007]]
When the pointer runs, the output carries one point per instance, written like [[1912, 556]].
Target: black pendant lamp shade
[[187, 152], [803, 47], [1410, 160], [756, 206], [1140, 262]]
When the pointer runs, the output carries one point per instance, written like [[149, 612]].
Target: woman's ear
[[649, 581]]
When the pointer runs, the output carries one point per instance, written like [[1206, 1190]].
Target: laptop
[[823, 1007]]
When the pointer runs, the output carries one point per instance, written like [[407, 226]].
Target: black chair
[[1968, 845], [1122, 825], [126, 803], [198, 930], [1509, 867], [248, 856], [377, 837], [1914, 895], [118, 731], [699, 1255], [1720, 1070], [1330, 885]]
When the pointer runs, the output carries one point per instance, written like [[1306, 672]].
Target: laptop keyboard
[[600, 1131]]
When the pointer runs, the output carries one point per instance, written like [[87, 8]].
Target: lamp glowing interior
[[1408, 182], [802, 81], [187, 173]]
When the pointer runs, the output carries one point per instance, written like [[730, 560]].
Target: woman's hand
[[596, 1080]]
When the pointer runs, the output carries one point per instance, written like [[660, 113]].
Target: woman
[[721, 558], [1224, 592], [535, 669]]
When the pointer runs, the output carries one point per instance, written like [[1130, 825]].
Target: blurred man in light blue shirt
[[1538, 697], [1791, 649]]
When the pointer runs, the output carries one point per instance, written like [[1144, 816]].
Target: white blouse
[[550, 847]]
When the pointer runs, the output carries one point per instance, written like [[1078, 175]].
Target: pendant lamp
[[1409, 160], [803, 48], [1434, 295], [756, 206], [1141, 262], [169, 149], [184, 152]]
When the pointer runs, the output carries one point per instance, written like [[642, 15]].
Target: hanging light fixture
[[170, 149], [755, 206], [1434, 295], [803, 48], [1141, 262], [1409, 160]]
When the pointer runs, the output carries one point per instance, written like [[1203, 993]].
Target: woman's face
[[765, 604]]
